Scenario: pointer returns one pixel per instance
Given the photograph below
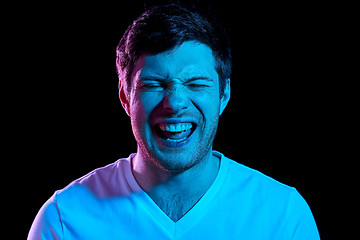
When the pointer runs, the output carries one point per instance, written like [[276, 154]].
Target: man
[[174, 71]]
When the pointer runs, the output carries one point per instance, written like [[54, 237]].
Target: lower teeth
[[176, 140]]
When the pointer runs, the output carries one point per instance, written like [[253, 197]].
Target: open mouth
[[175, 132]]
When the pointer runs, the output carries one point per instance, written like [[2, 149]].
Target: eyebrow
[[158, 78], [153, 78], [199, 78]]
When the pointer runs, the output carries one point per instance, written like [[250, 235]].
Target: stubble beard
[[175, 162]]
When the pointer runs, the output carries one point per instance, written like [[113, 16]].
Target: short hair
[[162, 28]]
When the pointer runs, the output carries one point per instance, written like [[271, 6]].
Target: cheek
[[212, 116], [209, 105], [146, 102], [142, 106]]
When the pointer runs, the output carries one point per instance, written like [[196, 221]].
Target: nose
[[175, 100]]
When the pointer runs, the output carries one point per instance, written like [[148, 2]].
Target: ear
[[124, 98], [226, 96]]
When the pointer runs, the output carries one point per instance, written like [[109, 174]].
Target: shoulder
[[110, 180], [258, 191], [103, 174], [251, 180], [82, 196], [104, 182], [47, 222], [268, 198]]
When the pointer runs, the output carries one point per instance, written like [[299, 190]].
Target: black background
[[280, 119]]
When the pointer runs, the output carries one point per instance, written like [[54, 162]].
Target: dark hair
[[162, 28]]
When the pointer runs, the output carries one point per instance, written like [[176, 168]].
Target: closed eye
[[154, 86], [159, 84], [196, 85], [199, 82]]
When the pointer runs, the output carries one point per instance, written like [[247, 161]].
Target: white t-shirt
[[108, 203]]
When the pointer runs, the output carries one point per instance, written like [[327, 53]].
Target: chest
[[176, 206]]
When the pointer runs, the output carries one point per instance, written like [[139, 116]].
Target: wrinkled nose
[[175, 100]]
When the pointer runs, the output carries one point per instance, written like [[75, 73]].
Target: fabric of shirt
[[108, 203]]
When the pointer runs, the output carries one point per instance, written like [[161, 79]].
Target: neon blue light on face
[[174, 105]]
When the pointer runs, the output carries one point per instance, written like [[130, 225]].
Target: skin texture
[[179, 85]]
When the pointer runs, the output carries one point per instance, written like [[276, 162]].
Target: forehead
[[189, 59]]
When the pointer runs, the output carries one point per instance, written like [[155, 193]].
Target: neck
[[179, 190]]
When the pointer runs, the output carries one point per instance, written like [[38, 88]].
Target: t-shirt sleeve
[[47, 224], [301, 223]]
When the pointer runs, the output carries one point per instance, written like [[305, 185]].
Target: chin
[[180, 160], [176, 163], [176, 156]]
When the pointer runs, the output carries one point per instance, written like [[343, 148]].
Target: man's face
[[174, 105]]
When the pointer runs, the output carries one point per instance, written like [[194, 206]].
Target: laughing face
[[174, 105]]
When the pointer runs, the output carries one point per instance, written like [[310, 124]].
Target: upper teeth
[[175, 127]]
